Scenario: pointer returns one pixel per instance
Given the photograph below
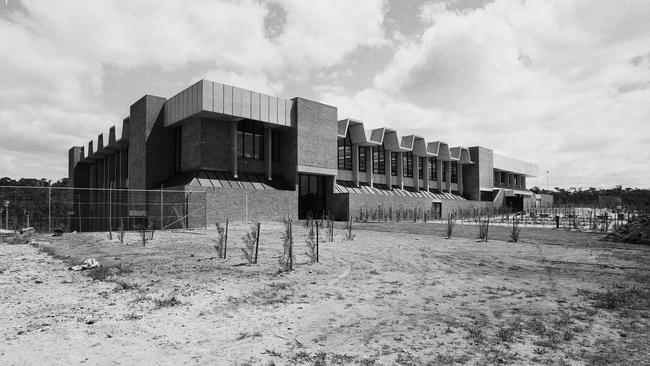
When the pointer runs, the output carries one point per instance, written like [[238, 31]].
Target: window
[[393, 163], [378, 160], [496, 178], [421, 163], [454, 171], [362, 158], [250, 140], [516, 180], [407, 164], [344, 153], [503, 179], [444, 171], [433, 168]]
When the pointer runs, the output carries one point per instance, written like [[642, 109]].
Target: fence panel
[[99, 209]]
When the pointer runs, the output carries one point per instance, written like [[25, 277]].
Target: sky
[[563, 84]]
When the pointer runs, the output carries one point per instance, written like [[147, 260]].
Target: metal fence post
[[49, 208], [161, 207]]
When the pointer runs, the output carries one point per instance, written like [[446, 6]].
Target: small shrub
[[286, 259], [348, 229], [219, 243], [330, 229], [483, 226], [514, 234], [311, 244], [450, 226], [250, 239], [120, 234], [99, 273]]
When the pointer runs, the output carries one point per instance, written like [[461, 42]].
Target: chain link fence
[[100, 209]]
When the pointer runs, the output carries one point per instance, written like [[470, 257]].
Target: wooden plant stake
[[257, 241]]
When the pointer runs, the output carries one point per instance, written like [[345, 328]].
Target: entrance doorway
[[311, 196]]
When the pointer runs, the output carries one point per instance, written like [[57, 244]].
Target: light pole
[[547, 180]]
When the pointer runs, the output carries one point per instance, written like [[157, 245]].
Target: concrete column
[[416, 172], [425, 173], [387, 162], [233, 138], [439, 173], [460, 177], [355, 164], [268, 152], [369, 166], [400, 170]]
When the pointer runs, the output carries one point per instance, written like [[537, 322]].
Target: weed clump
[[99, 273], [167, 302], [636, 231]]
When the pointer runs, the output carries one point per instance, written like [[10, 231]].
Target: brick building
[[261, 157]]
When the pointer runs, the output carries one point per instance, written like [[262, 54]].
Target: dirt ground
[[397, 294]]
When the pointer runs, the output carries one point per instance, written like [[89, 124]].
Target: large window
[[393, 163], [454, 171], [421, 163], [407, 164], [378, 160], [344, 153], [250, 140], [444, 171], [433, 168], [362, 158]]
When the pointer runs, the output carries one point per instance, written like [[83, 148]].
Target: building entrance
[[311, 196]]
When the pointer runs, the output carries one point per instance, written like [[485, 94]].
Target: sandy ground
[[397, 294]]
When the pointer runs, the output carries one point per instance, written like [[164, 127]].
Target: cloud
[[562, 84], [61, 52]]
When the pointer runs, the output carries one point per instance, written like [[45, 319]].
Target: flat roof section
[[220, 100]]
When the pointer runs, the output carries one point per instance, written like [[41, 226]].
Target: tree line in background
[[634, 198], [33, 203]]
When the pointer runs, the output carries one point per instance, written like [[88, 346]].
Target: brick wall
[[216, 144], [231, 204], [149, 158], [316, 125]]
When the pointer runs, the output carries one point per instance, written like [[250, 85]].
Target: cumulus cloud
[[59, 54], [563, 84]]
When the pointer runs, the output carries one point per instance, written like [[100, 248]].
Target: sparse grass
[[132, 316], [124, 286], [244, 335], [167, 302], [619, 297], [52, 252]]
